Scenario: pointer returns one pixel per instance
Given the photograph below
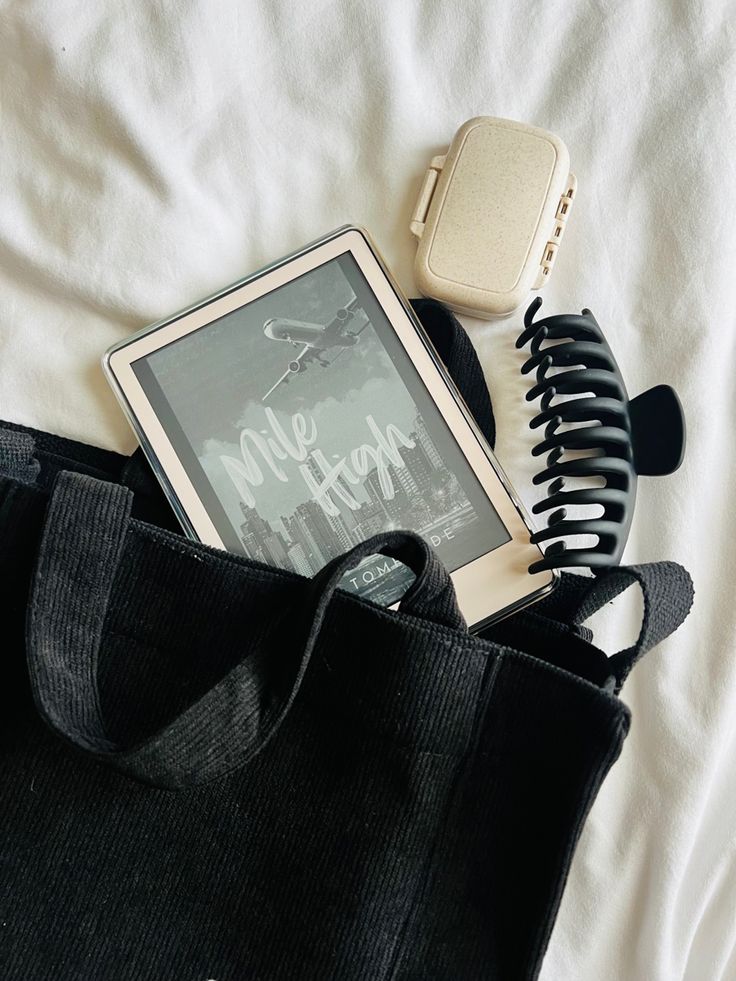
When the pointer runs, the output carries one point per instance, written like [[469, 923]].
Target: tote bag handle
[[81, 548], [667, 590]]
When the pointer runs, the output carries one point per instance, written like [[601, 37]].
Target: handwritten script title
[[261, 453]]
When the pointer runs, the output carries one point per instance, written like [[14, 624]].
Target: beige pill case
[[490, 216]]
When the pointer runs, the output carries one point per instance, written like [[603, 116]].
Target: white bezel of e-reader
[[492, 585]]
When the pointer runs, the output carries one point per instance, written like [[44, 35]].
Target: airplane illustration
[[315, 340]]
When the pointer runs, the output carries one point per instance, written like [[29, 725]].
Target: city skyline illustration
[[426, 498]]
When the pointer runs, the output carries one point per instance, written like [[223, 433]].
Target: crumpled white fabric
[[152, 153]]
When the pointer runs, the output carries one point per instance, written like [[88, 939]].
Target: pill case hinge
[[425, 196]]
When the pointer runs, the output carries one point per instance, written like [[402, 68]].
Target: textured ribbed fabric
[[216, 770], [17, 453]]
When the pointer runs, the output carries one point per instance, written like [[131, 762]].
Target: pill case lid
[[490, 216]]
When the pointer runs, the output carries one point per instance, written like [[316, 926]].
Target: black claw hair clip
[[613, 438]]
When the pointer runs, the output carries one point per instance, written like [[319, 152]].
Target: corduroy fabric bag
[[215, 770]]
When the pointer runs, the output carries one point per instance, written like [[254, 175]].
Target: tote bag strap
[[668, 594], [81, 548]]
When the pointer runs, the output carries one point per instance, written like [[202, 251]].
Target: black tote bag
[[213, 769]]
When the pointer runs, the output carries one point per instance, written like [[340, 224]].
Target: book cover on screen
[[305, 429]]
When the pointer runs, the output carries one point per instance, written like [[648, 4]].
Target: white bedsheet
[[154, 152]]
